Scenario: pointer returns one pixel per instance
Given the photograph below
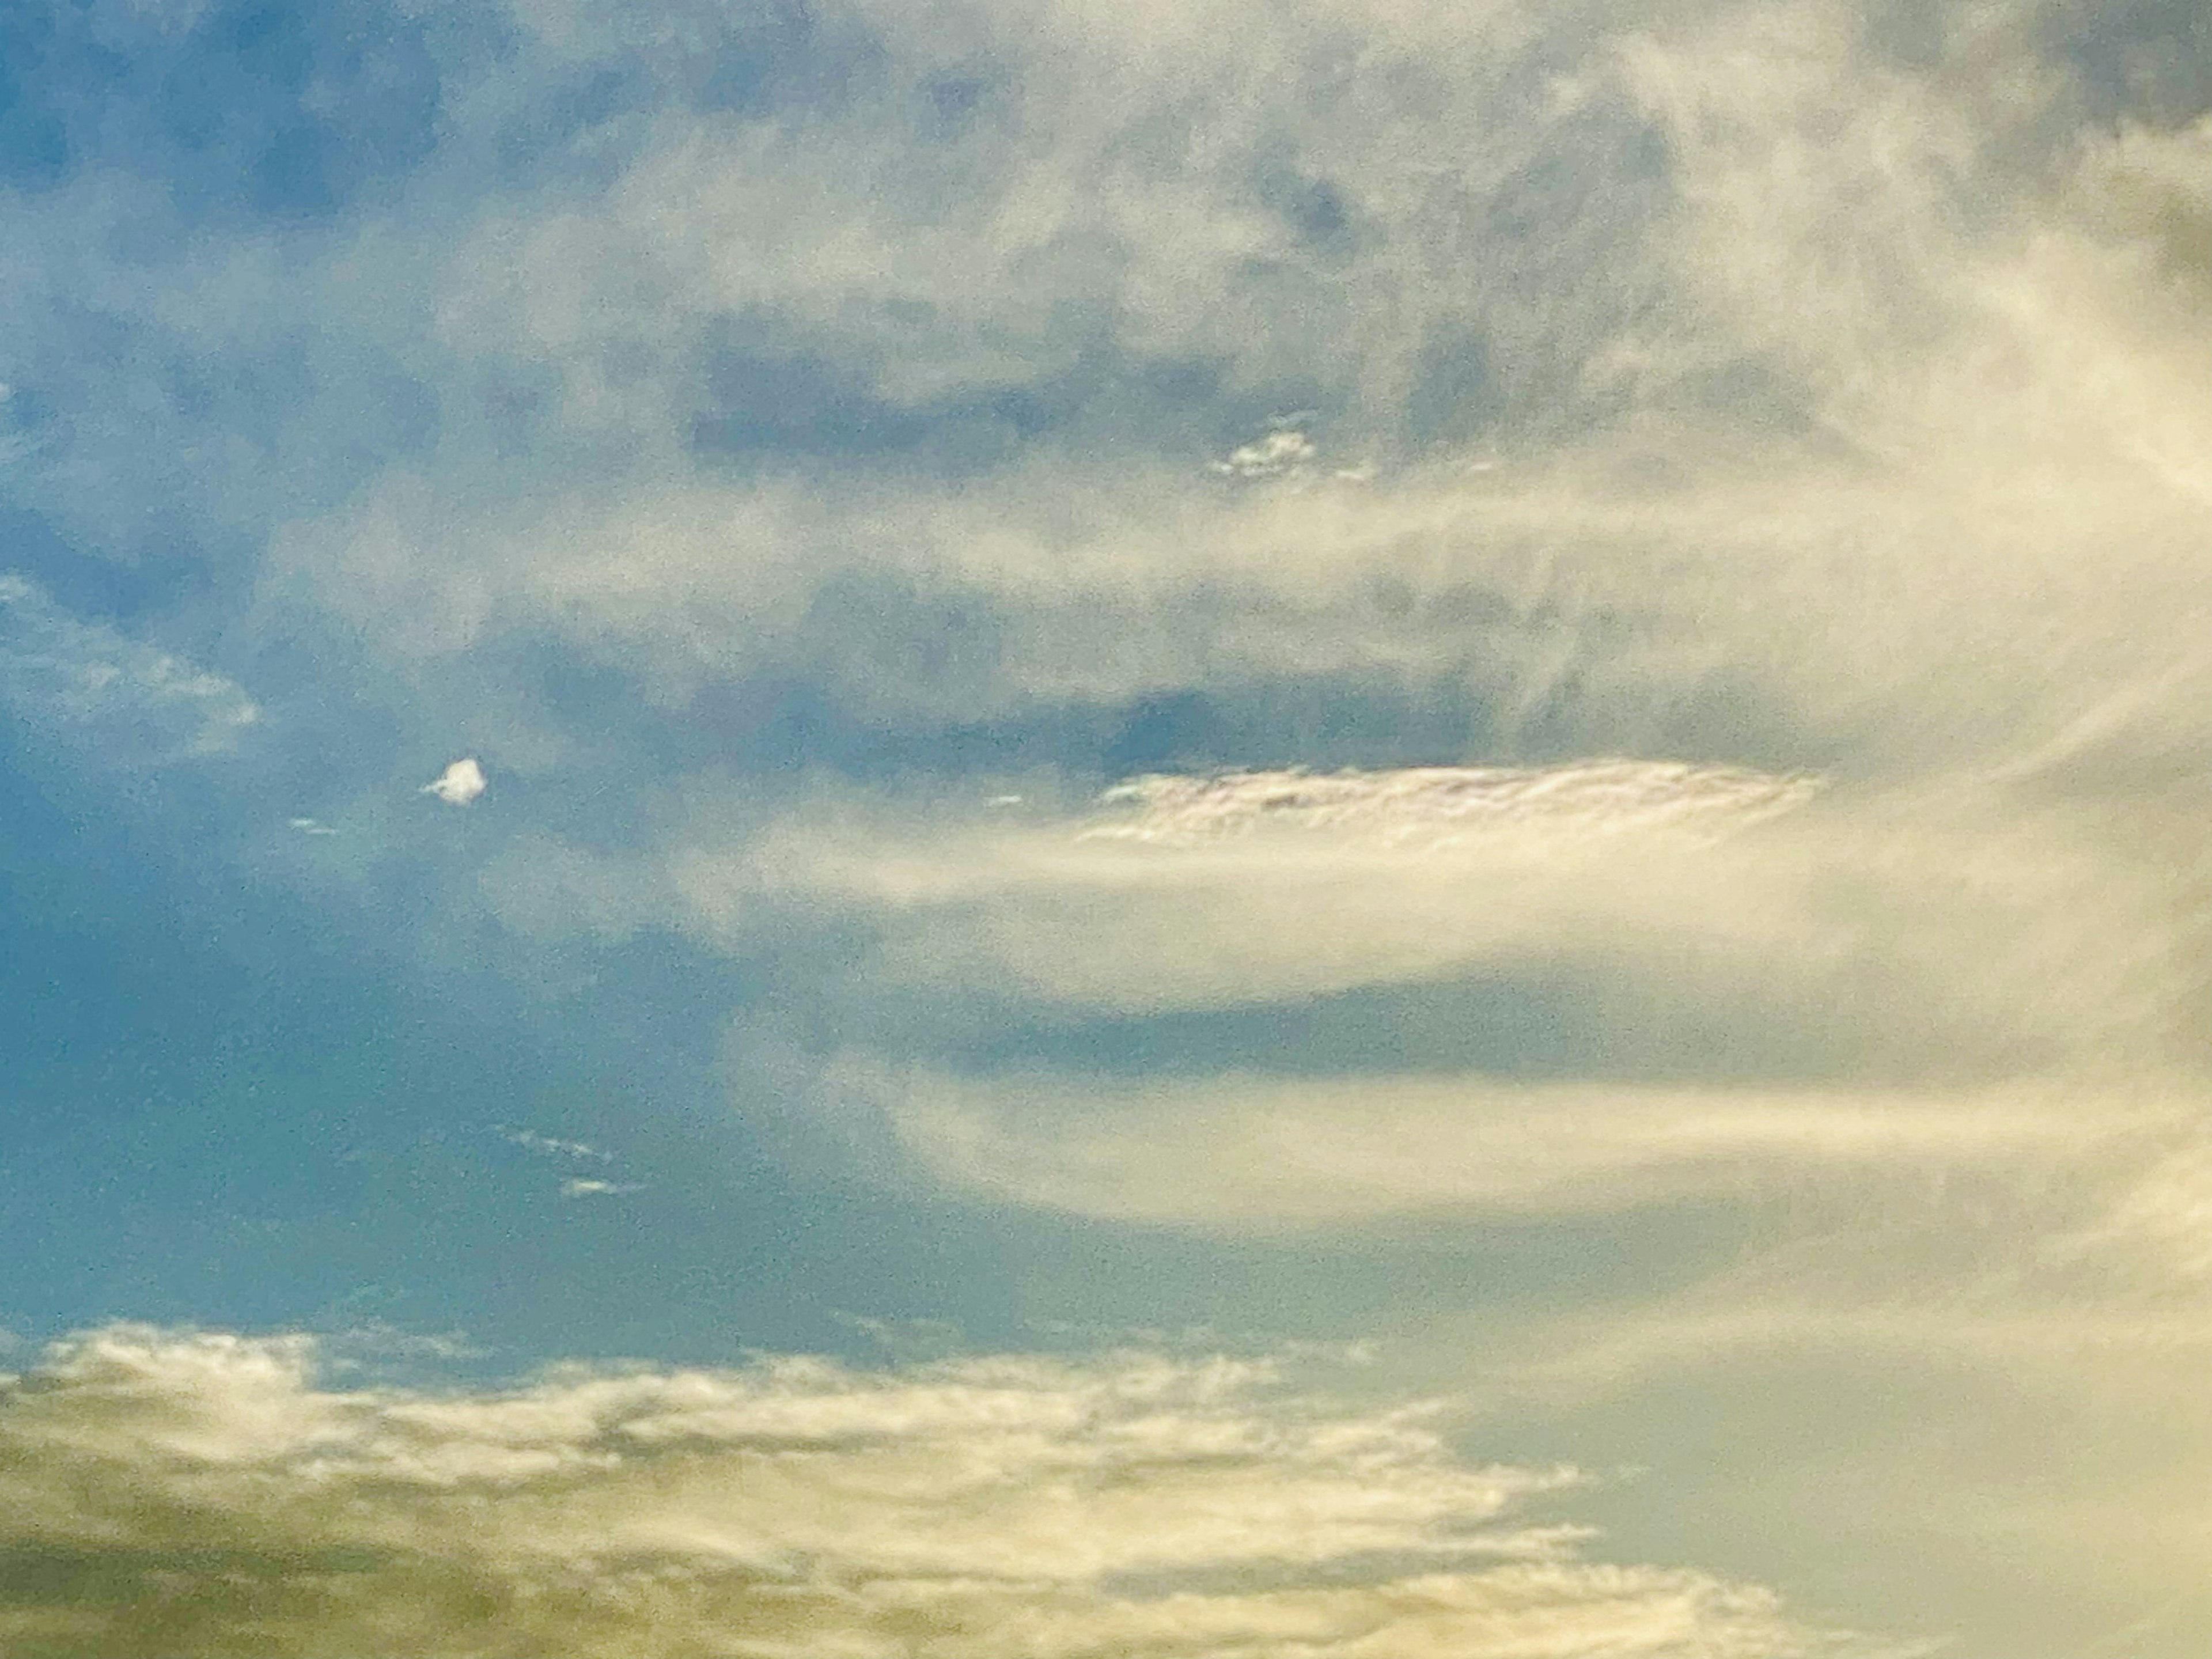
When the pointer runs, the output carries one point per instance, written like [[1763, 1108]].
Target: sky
[[1325, 830]]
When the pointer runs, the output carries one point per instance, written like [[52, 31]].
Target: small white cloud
[[310, 827], [575, 1151], [582, 1188], [554, 1147], [1280, 452], [458, 784]]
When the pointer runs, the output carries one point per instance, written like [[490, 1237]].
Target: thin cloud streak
[[69, 677], [1238, 1153]]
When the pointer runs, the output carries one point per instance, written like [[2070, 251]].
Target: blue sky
[[1446, 757]]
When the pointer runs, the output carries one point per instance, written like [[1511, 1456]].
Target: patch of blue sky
[[224, 1110], [241, 112]]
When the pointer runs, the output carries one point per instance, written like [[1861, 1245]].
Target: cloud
[[458, 784], [2161, 1222], [1991, 1392], [1049, 298], [1243, 1152], [1603, 285], [172, 1491], [791, 432], [578, 1187], [1435, 807], [1257, 1001], [1280, 883], [1283, 450], [1914, 927], [83, 681], [552, 1146], [573, 1152], [550, 890]]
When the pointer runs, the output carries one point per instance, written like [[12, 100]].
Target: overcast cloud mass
[[914, 827]]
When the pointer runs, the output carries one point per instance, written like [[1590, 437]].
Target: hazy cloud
[[553, 1146], [777, 432], [1240, 1152], [137, 705]]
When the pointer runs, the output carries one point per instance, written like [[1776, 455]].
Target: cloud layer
[[1532, 991], [1316, 624], [171, 1492]]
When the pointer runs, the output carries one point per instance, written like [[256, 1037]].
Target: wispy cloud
[[1435, 806], [80, 679], [571, 1154], [1241, 1152], [1915, 927], [554, 1146], [789, 432]]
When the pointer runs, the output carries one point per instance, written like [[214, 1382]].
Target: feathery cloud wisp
[[142, 705]]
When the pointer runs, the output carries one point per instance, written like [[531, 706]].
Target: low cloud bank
[[169, 1493]]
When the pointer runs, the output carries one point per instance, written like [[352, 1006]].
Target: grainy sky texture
[[1330, 829]]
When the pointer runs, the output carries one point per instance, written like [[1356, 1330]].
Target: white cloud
[[554, 1146], [1838, 402], [574, 1153], [1240, 1152], [1835, 399], [1717, 902], [577, 1186], [1435, 806], [1991, 1386], [173, 1492], [458, 784], [1598, 236], [1284, 450], [1535, 993]]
